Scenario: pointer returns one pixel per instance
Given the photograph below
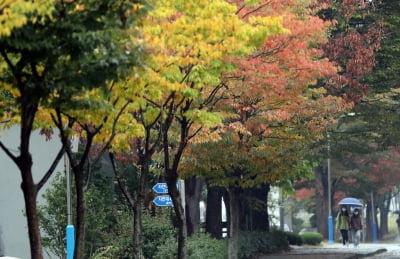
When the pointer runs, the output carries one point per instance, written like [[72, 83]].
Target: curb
[[379, 251]]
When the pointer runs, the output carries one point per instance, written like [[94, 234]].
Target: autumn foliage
[[273, 102]]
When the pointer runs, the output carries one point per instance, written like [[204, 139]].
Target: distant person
[[342, 224], [355, 227]]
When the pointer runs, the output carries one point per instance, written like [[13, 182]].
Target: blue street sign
[[162, 188], [163, 201]]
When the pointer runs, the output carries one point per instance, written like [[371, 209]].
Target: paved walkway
[[338, 251]]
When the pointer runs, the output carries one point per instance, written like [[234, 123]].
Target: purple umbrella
[[351, 202]]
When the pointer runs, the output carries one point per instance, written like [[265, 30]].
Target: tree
[[354, 39], [273, 109], [386, 70], [85, 46], [189, 58]]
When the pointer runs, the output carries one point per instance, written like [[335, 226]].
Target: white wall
[[12, 220]]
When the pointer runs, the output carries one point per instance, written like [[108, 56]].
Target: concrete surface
[[338, 251]]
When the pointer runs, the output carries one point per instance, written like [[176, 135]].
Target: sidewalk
[[338, 251]]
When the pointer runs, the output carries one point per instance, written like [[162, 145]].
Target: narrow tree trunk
[[368, 223], [180, 214], [193, 188], [137, 230], [138, 208], [80, 217], [234, 223], [383, 203], [136, 203]]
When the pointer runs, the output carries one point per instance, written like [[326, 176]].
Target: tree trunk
[[137, 215], [30, 193], [321, 200], [80, 217], [193, 188], [254, 210], [137, 230], [138, 206], [383, 203], [234, 223], [24, 163], [383, 226], [213, 211], [179, 212], [136, 203], [368, 223]]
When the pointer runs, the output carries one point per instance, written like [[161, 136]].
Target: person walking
[[342, 224], [355, 227]]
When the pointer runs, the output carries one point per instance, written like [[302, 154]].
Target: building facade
[[14, 239]]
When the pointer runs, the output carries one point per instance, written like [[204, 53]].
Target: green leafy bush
[[155, 231], [199, 246], [312, 238], [251, 243], [294, 239]]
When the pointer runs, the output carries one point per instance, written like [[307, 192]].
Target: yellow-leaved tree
[[65, 70], [190, 42], [16, 13]]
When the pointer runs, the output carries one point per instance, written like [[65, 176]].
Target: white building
[[14, 240]]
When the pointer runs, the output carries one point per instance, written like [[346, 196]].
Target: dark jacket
[[355, 222]]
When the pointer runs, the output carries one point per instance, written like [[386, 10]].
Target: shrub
[[155, 231], [312, 238], [199, 246], [294, 239], [251, 243]]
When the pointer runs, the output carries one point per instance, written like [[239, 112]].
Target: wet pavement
[[338, 251]]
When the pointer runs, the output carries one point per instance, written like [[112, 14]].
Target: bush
[[252, 243], [312, 238], [155, 231], [294, 239], [199, 246]]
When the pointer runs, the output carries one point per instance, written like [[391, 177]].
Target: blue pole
[[374, 233], [330, 220], [70, 241], [330, 230]]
